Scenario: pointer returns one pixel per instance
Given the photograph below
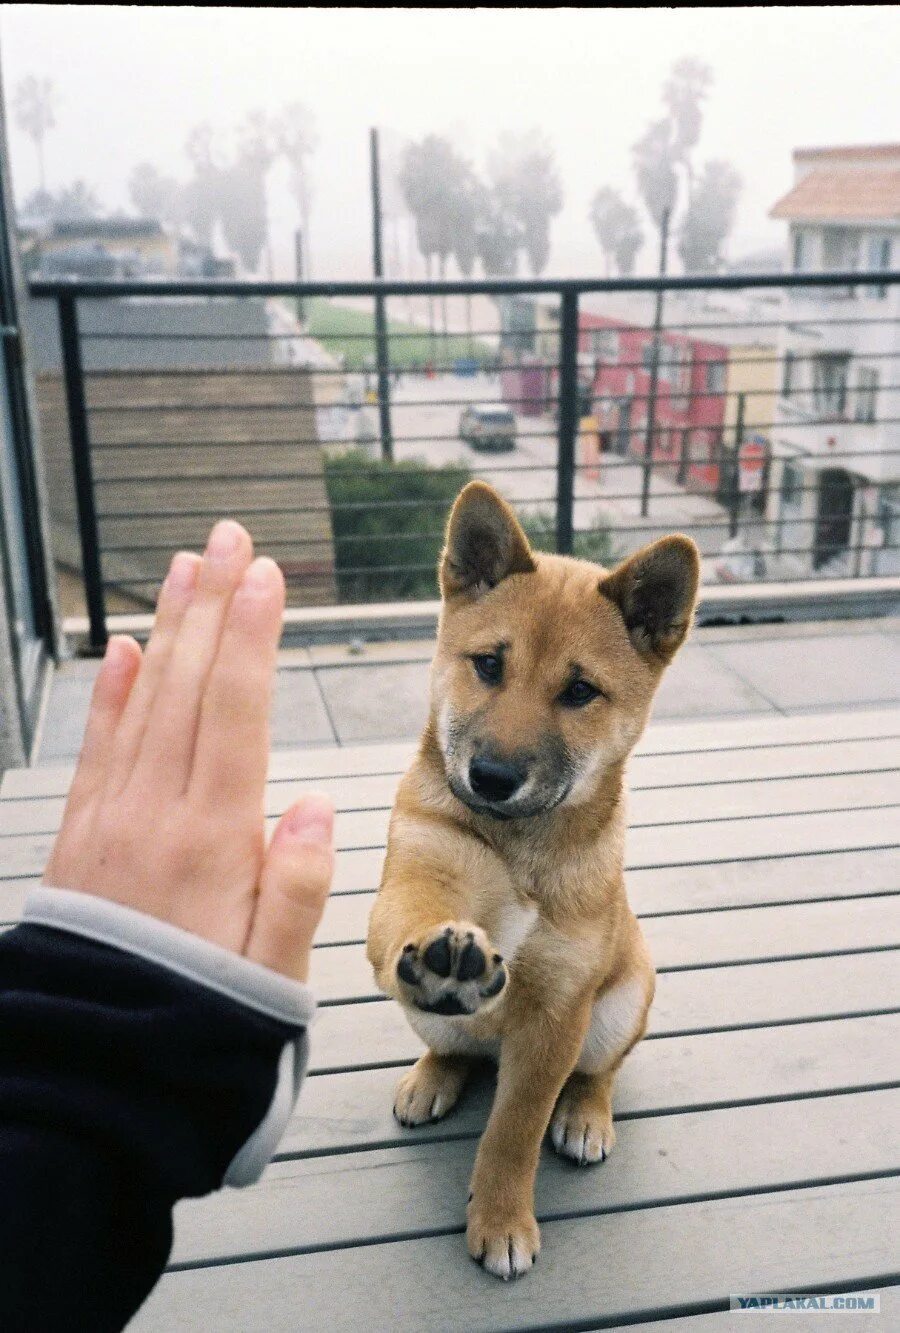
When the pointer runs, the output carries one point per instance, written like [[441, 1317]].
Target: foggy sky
[[132, 81]]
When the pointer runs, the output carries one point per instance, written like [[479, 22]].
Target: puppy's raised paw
[[453, 971]]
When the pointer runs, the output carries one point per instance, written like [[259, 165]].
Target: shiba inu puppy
[[502, 924]]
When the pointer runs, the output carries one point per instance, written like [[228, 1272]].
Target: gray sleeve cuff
[[206, 964]]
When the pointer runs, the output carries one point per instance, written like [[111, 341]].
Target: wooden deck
[[757, 1125]]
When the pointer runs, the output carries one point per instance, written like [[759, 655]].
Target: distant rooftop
[[840, 191], [877, 152], [109, 228]]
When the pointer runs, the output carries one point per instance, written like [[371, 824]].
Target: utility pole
[[298, 272], [734, 487], [382, 359], [654, 367]]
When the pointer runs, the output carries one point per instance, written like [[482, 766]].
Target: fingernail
[[117, 655], [224, 540], [182, 572], [312, 822], [259, 576]]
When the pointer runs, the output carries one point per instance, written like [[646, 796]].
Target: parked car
[[488, 426]]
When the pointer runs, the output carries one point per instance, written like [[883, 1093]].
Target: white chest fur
[[511, 927], [616, 1017]]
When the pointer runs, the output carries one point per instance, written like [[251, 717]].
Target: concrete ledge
[[744, 603]]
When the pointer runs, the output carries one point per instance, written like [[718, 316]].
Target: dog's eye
[[578, 693], [489, 667]]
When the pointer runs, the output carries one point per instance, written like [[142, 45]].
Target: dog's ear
[[485, 543], [655, 590]]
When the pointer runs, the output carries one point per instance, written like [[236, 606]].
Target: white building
[[835, 497]]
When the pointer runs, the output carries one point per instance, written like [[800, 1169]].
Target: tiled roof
[[851, 153], [848, 194]]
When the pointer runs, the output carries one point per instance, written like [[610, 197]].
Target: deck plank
[[357, 1036], [724, 736], [314, 1203], [360, 842], [689, 803], [350, 1111], [342, 972], [757, 1122], [790, 1240]]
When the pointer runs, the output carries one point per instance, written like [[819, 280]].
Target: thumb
[[293, 886]]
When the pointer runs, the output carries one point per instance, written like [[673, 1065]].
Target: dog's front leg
[[538, 1052]]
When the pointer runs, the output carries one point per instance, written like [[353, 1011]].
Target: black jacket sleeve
[[124, 1086]]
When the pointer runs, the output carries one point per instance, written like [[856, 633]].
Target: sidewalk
[[332, 696]]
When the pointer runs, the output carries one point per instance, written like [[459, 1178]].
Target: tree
[[498, 239], [155, 195], [522, 170], [654, 167], [296, 140], [618, 229], [432, 177], [709, 217], [73, 203], [257, 137], [684, 93], [33, 103], [465, 241], [202, 194], [243, 213]]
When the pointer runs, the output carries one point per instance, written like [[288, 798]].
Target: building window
[[830, 383], [878, 259], [788, 368], [889, 516], [715, 376], [802, 251], [840, 250], [867, 394], [791, 485]]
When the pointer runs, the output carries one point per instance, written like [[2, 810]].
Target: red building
[[690, 397]]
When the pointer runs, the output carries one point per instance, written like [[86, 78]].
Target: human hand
[[165, 812]]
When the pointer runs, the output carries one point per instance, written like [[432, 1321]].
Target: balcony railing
[[337, 421]]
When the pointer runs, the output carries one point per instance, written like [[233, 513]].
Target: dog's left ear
[[655, 590], [485, 543]]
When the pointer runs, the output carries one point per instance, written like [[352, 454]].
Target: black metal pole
[[298, 272], [76, 408], [568, 422], [654, 367], [382, 358], [734, 495]]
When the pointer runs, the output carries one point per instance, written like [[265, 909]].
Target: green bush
[[593, 544], [388, 524]]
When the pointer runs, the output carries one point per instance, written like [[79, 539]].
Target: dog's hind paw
[[454, 971]]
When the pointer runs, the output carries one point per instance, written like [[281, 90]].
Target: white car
[[488, 426]]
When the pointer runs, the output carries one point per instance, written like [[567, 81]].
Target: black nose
[[495, 779]]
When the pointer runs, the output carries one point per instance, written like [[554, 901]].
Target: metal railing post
[[568, 421], [382, 350], [655, 349], [734, 496], [76, 410]]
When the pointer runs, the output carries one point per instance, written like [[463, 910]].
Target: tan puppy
[[502, 925]]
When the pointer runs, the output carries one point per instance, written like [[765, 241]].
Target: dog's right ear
[[485, 543]]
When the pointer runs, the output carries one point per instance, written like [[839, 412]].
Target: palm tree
[[526, 182], [431, 180], [296, 140], [34, 112], [618, 229], [684, 92]]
